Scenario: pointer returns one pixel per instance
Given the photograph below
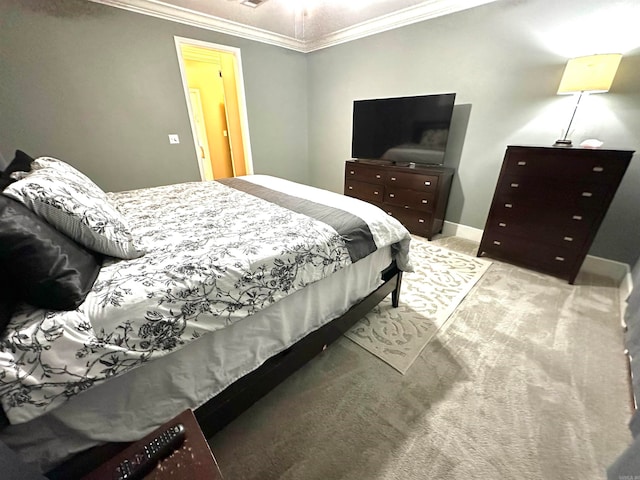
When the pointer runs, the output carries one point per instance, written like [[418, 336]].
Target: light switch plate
[[173, 138]]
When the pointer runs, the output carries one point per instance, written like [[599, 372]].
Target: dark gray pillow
[[8, 300], [45, 268], [4, 182], [20, 163]]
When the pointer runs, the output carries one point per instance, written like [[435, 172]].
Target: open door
[[217, 112]]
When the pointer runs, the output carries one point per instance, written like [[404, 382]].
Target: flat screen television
[[403, 129]]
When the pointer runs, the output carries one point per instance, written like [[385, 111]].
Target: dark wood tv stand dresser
[[416, 195], [548, 205]]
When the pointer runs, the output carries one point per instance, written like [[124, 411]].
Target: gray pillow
[[75, 206], [38, 264]]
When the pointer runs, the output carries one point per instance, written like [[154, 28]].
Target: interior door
[[227, 131], [204, 154], [219, 132], [216, 72]]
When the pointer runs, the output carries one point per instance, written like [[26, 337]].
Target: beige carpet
[[430, 294], [527, 382]]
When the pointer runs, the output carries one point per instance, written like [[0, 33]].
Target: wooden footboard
[[240, 395]]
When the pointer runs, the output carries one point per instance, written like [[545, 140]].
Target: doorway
[[214, 93]]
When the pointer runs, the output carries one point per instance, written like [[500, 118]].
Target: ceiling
[[301, 25]]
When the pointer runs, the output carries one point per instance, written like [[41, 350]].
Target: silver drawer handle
[[377, 176], [587, 194], [522, 163], [389, 213], [598, 169], [496, 242], [508, 205], [427, 183], [406, 206], [392, 195], [502, 224], [515, 185], [393, 179], [425, 201], [568, 239], [350, 188], [352, 172], [375, 193], [560, 259], [420, 220], [577, 217]]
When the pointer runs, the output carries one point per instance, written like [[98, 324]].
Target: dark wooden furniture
[[548, 205], [240, 395], [193, 460], [416, 196]]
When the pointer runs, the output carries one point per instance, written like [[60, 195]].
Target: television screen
[[403, 129]]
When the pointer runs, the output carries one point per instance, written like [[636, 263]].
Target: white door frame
[[242, 103]]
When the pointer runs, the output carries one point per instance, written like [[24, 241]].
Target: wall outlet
[[173, 138]]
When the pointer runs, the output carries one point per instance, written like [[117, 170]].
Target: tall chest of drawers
[[548, 205], [416, 196]]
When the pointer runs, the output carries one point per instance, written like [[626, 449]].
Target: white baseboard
[[450, 229], [619, 272]]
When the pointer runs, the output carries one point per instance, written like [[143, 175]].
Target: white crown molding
[[401, 18], [155, 8]]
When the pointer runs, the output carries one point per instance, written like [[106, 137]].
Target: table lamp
[[590, 74]]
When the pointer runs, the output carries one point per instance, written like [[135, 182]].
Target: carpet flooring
[[528, 381]]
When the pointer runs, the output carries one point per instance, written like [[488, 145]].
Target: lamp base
[[562, 143]]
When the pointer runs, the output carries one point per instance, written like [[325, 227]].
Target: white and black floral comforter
[[214, 255]]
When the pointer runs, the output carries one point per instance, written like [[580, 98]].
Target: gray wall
[[100, 88], [500, 61]]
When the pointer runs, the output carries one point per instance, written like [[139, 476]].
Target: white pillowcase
[[75, 206]]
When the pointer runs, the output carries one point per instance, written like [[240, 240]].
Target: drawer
[[536, 191], [564, 228], [582, 218], [530, 253], [363, 173], [364, 191], [415, 221], [412, 181], [587, 165], [409, 198]]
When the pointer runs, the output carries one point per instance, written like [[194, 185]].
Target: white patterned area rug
[[428, 297]]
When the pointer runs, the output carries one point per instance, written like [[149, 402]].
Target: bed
[[204, 295]]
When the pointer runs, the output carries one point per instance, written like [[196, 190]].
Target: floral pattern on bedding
[[214, 256]]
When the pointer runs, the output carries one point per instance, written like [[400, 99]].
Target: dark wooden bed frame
[[240, 395]]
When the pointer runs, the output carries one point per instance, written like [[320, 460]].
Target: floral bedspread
[[214, 255]]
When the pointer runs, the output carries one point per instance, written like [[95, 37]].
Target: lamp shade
[[593, 73]]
